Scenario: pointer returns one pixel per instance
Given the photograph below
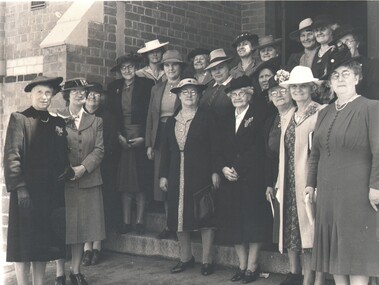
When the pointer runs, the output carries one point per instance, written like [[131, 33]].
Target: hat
[[152, 45], [239, 82], [342, 31], [44, 80], [97, 87], [216, 57], [172, 56], [340, 55], [272, 64], [131, 56], [197, 51], [76, 83], [280, 76], [248, 37], [268, 41], [303, 25], [300, 74], [322, 21], [188, 81]]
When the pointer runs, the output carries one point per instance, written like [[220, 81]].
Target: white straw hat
[[152, 45], [299, 75]]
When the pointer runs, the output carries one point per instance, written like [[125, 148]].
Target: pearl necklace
[[342, 106]]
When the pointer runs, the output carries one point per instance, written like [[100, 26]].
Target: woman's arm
[[149, 120]]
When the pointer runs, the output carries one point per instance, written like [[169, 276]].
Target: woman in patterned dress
[[187, 166], [296, 229]]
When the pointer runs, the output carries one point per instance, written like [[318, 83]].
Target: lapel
[[86, 121], [242, 129]]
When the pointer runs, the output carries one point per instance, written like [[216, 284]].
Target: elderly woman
[[244, 218], [153, 50], [306, 37], [369, 85], [199, 58], [187, 166], [129, 99], [245, 44], [95, 104], [269, 47], [163, 104], [83, 193], [296, 230], [344, 167], [214, 98], [35, 168]]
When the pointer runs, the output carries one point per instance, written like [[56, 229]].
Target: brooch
[[248, 122], [59, 131]]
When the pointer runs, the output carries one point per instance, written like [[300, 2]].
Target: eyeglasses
[[126, 67], [93, 95], [347, 42], [335, 75], [188, 92], [77, 92], [276, 93], [240, 94]]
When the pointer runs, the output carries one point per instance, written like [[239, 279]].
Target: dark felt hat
[[322, 21], [248, 37], [76, 83], [132, 56], [272, 64], [197, 51], [267, 41], [239, 82], [44, 80], [97, 87], [342, 31], [188, 81]]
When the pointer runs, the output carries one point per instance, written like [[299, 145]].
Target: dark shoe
[[250, 276], [292, 279], [96, 256], [181, 266], [207, 269], [86, 259], [166, 234], [238, 275], [125, 228], [140, 229], [78, 279], [60, 280]]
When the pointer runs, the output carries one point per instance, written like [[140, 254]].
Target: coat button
[[80, 150], [80, 133], [80, 141]]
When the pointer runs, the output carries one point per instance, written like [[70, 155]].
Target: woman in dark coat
[[244, 215], [187, 166], [35, 168], [129, 100]]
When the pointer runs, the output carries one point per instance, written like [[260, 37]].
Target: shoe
[[60, 280], [78, 279], [166, 234], [96, 256], [292, 279], [181, 266], [86, 259], [250, 276], [207, 269], [238, 275], [140, 229], [124, 228]]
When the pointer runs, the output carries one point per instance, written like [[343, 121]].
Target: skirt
[[159, 195]]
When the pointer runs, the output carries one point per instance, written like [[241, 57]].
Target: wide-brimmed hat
[[216, 57], [268, 41], [172, 56], [252, 38], [188, 81], [342, 31], [197, 51], [340, 55], [303, 25], [76, 83], [280, 76], [238, 83], [44, 80], [97, 87], [131, 56], [322, 21], [299, 75], [152, 45], [272, 64]]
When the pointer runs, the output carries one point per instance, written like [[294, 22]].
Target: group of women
[[284, 153]]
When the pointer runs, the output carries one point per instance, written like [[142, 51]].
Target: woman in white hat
[[306, 37], [296, 229], [163, 104], [215, 98], [153, 50]]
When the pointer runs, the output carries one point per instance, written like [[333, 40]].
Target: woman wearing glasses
[[83, 193], [344, 166]]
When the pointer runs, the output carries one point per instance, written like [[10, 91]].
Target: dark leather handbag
[[204, 204]]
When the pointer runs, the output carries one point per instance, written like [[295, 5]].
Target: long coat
[[31, 235], [199, 164], [302, 153], [243, 212]]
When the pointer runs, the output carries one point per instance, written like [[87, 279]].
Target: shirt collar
[[226, 82], [242, 114], [79, 115]]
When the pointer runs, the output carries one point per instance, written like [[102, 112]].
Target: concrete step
[[149, 245]]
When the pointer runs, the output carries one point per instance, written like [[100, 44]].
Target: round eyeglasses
[[276, 93], [335, 75]]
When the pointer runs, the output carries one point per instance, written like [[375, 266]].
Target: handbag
[[204, 205]]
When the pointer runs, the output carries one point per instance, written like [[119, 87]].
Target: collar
[[79, 115], [226, 82], [243, 113]]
